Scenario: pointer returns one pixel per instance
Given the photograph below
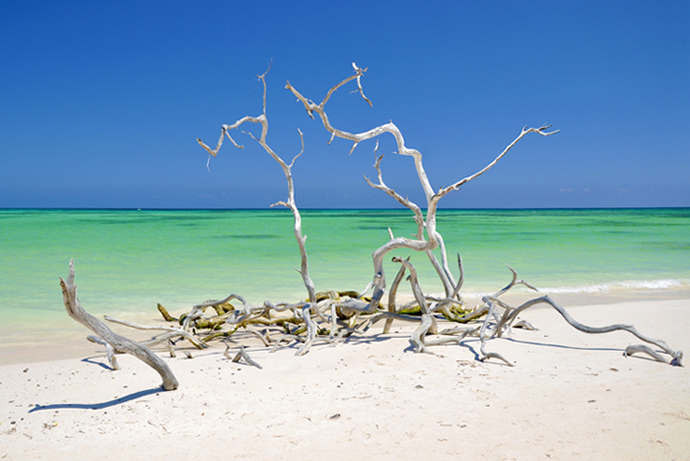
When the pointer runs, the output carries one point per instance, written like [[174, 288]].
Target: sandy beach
[[570, 396]]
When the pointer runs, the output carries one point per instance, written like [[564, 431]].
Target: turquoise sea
[[129, 260]]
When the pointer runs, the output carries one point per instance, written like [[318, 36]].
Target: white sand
[[570, 396]]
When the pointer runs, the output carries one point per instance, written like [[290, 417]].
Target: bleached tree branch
[[434, 238], [117, 343], [287, 170]]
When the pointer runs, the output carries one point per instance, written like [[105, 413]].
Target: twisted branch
[[429, 224]]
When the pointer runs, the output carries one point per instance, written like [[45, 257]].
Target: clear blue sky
[[101, 102]]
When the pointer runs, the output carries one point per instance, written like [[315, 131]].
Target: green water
[[130, 260]]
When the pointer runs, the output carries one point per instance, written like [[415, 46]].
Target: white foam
[[662, 284], [627, 285]]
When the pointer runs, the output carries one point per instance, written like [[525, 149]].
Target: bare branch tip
[[354, 146]]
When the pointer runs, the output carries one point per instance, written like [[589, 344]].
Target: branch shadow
[[98, 406], [93, 362], [471, 342], [562, 346]]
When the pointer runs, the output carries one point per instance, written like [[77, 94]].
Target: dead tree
[[426, 224]]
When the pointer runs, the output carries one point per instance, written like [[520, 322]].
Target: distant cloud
[[567, 191]]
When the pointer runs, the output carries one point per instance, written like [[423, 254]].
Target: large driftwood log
[[116, 342]]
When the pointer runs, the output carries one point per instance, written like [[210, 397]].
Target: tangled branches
[[335, 317], [331, 317]]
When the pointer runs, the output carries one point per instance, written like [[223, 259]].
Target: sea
[[128, 261]]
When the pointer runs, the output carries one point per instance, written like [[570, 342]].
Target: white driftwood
[[311, 330], [432, 197], [241, 354], [483, 334], [428, 322], [676, 356], [635, 348], [287, 169], [171, 332], [117, 342], [391, 297], [109, 351], [514, 282]]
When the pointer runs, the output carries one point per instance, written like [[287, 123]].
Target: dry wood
[[311, 330], [117, 342], [344, 314], [391, 297], [428, 321], [109, 351], [635, 348], [483, 334], [166, 315], [241, 354], [427, 224], [287, 170]]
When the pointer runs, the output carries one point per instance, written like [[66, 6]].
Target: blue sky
[[101, 102]]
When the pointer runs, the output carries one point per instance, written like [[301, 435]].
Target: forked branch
[[287, 170], [428, 224]]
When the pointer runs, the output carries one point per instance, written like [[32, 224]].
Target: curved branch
[[391, 297], [428, 322], [117, 342], [431, 197], [172, 332], [311, 330], [512, 283], [676, 356]]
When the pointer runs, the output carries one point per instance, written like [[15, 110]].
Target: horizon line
[[341, 209]]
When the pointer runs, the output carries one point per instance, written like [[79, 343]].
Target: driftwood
[[242, 354], [171, 332], [424, 224], [362, 312], [331, 317], [676, 357], [117, 343], [287, 169]]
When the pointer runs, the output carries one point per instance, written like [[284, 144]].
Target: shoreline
[[59, 337], [570, 396]]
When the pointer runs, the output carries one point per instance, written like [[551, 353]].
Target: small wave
[[610, 287], [662, 284]]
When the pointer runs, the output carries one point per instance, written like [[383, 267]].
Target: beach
[[570, 395]]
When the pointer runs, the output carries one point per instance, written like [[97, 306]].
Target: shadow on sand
[[98, 406]]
